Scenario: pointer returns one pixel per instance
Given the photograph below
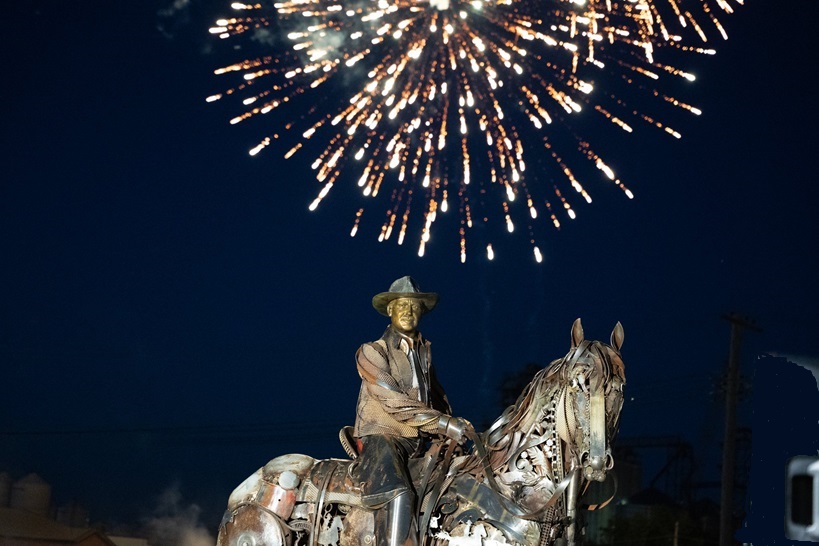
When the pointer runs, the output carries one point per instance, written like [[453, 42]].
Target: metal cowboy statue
[[410, 480], [400, 404]]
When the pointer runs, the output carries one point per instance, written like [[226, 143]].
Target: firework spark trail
[[448, 96]]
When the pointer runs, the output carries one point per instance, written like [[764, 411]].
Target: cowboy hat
[[405, 287]]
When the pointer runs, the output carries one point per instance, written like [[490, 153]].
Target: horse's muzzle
[[595, 468]]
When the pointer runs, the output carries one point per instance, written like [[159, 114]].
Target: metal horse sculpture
[[521, 483]]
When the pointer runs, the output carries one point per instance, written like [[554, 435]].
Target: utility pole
[[677, 533], [726, 527]]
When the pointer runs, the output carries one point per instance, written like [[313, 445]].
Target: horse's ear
[[577, 333], [617, 336]]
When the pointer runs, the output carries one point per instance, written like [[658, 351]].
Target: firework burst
[[439, 104]]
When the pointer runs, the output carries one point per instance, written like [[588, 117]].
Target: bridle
[[590, 450]]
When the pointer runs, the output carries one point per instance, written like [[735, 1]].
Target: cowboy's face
[[405, 314]]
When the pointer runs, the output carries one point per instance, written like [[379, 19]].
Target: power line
[[256, 428]]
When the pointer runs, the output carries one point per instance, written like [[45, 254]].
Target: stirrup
[[352, 445]]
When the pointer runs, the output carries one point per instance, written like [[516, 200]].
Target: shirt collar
[[397, 340]]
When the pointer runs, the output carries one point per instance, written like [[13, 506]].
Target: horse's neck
[[527, 444]]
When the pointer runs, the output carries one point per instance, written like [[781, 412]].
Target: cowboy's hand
[[454, 428]]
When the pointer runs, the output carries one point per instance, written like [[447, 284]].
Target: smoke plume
[[175, 524]]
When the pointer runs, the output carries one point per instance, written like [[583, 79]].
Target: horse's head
[[588, 410], [561, 426]]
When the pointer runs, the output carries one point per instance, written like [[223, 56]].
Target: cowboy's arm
[[382, 387], [373, 367]]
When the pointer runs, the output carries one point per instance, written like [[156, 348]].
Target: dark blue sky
[[171, 312]]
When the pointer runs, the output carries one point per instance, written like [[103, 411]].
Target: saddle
[[337, 480]]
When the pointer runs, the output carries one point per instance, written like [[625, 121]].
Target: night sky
[[173, 315]]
